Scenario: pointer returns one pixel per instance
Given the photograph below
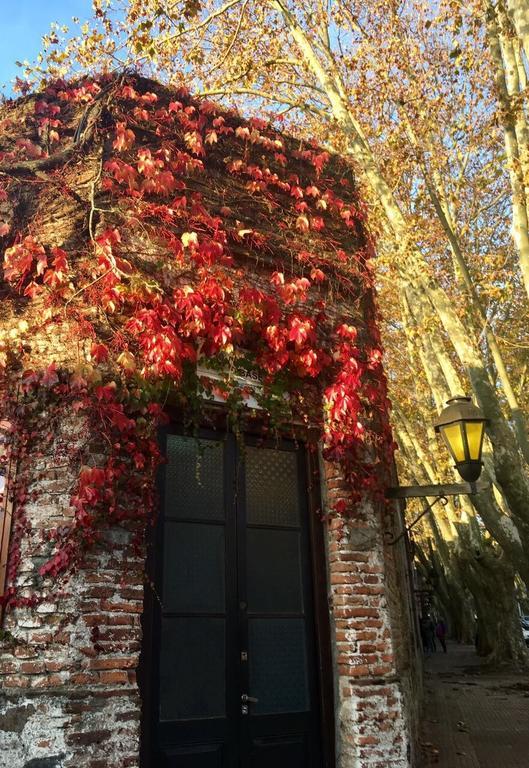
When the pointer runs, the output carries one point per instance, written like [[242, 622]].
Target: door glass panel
[[194, 478], [274, 571], [193, 579], [277, 659], [192, 668], [272, 495]]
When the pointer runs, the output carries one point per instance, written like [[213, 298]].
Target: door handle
[[248, 699]]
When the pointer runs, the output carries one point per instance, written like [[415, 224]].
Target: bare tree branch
[[233, 39]]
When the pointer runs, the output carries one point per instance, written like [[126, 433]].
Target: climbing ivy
[[211, 244]]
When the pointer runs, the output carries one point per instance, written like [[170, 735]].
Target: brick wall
[[68, 691], [376, 667], [68, 666]]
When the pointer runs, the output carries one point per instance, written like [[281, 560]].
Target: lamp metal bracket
[[441, 492], [407, 529], [453, 489]]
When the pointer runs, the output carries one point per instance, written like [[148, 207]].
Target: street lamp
[[462, 426]]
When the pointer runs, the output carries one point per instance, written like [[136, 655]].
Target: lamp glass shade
[[474, 430], [453, 437]]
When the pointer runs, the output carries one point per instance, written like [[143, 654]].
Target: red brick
[[360, 671], [32, 667], [8, 667], [88, 606], [363, 612], [118, 633], [116, 647], [120, 662], [367, 740], [131, 593], [367, 648], [99, 591], [382, 670], [354, 557], [88, 650], [95, 619], [349, 587], [113, 677], [364, 590], [83, 678], [117, 619], [125, 607], [25, 652], [60, 665], [86, 739], [99, 578], [338, 580], [47, 681], [15, 681]]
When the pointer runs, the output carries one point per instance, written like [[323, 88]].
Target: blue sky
[[23, 24]]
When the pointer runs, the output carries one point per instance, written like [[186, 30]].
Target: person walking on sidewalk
[[428, 634], [440, 633]]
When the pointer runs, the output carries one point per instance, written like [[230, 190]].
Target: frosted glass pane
[[192, 668], [274, 571], [278, 665], [272, 495], [194, 478], [193, 579]]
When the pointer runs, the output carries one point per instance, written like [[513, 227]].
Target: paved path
[[473, 718]]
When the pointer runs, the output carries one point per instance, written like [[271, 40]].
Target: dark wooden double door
[[234, 673]]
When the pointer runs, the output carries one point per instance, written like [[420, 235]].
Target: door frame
[[319, 576]]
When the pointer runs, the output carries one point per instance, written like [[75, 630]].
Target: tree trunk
[[500, 637], [512, 149], [519, 13], [475, 313]]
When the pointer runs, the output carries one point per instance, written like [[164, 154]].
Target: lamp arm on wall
[[451, 489], [407, 529], [441, 492]]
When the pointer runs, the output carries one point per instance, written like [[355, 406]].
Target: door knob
[[248, 699]]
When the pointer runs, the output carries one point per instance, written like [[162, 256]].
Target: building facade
[[238, 602]]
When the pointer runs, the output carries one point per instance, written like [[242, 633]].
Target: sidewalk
[[473, 719]]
